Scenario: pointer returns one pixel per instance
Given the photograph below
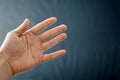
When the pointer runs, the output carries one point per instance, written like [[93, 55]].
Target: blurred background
[[93, 44]]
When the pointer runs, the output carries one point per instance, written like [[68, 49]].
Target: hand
[[23, 49]]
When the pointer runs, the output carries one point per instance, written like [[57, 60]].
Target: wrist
[[5, 69]]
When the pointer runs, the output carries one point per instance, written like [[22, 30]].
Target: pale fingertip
[[27, 20], [64, 36], [63, 52], [53, 18], [64, 26]]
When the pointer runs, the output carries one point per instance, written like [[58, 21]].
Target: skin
[[23, 48]]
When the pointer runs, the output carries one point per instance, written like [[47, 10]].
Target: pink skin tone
[[23, 48]]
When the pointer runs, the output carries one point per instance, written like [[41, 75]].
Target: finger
[[45, 46], [52, 32], [43, 25], [54, 55], [23, 27]]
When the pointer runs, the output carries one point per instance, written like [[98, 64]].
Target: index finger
[[43, 25]]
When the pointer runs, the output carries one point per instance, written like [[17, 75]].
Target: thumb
[[23, 27]]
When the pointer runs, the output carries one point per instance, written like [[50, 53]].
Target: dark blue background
[[93, 44]]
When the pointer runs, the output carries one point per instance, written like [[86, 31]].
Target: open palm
[[23, 48]]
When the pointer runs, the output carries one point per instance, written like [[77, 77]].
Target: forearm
[[5, 70]]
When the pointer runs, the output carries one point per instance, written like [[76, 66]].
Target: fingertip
[[64, 36], [64, 26], [27, 20], [63, 52], [54, 19]]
